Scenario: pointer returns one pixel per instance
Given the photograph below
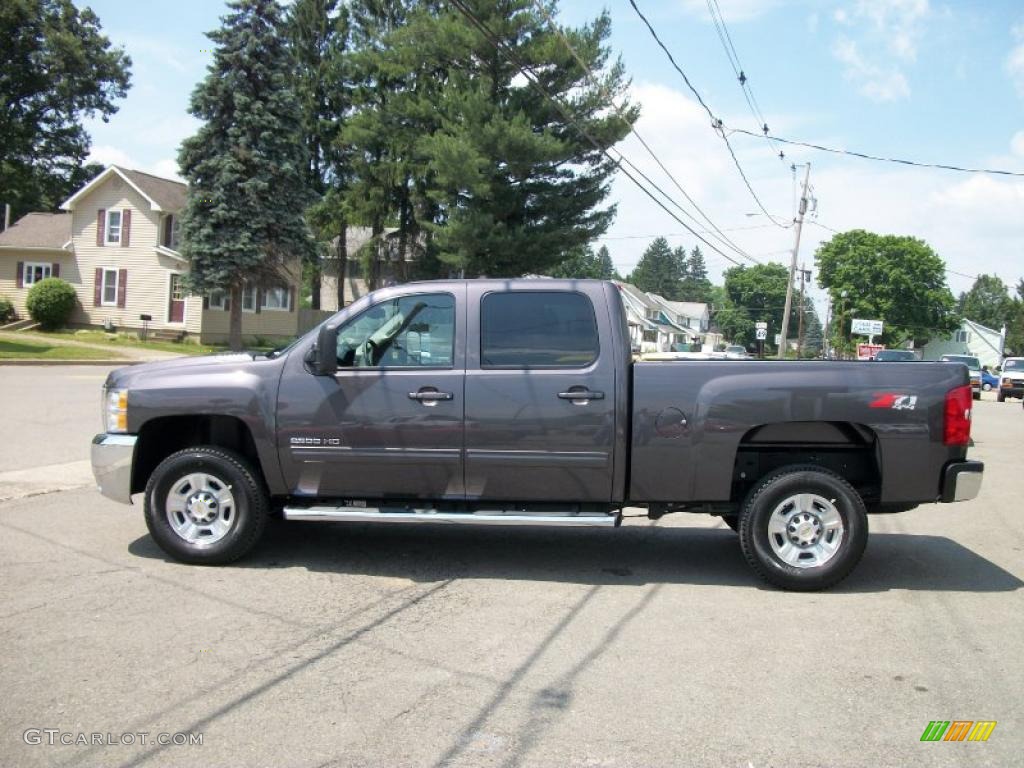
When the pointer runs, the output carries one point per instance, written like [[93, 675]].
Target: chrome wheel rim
[[805, 530], [200, 509]]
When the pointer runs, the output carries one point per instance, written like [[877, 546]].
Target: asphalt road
[[651, 645]]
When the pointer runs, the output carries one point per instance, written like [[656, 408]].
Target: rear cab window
[[537, 329]]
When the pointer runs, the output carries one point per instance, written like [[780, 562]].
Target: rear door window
[[537, 329]]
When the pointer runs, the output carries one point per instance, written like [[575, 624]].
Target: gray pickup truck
[[515, 402]]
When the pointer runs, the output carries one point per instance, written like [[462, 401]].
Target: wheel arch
[[160, 437], [849, 449]]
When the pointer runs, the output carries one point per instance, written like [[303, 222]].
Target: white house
[[970, 338]]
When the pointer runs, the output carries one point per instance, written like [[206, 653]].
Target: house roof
[[38, 230], [693, 309], [637, 295], [161, 194]]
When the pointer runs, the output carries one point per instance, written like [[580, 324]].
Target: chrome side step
[[497, 517]]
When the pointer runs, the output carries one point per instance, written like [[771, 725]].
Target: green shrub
[[6, 311], [50, 302]]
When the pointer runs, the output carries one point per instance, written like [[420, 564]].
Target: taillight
[[957, 429]]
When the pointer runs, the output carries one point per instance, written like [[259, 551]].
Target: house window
[[35, 272], [172, 225], [275, 298], [109, 295], [248, 298], [219, 300], [963, 337], [113, 226]]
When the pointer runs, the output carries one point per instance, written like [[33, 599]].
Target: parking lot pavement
[[651, 645]]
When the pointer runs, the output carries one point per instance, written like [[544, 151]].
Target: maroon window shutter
[[126, 227], [291, 299], [122, 287], [227, 302], [97, 291], [206, 301], [101, 223], [55, 269], [259, 298], [20, 277]]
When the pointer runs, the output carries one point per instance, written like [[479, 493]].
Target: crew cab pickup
[[515, 402]]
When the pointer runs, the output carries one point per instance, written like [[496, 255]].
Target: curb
[[121, 361]]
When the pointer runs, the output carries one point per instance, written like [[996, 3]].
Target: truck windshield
[[1013, 365]]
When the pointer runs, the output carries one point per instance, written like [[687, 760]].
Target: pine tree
[[660, 271], [317, 38], [606, 268], [696, 285], [516, 184], [246, 166]]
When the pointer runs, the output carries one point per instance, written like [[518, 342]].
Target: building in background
[[970, 338]]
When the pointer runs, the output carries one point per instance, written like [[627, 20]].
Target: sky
[[916, 79]]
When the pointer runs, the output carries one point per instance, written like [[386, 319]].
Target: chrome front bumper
[[961, 480], [112, 465]]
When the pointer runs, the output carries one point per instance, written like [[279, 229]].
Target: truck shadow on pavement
[[631, 555]]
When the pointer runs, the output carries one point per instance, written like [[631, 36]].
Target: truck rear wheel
[[803, 528], [205, 506]]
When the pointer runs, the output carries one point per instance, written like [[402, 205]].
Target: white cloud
[[168, 169], [1017, 144], [972, 221], [875, 82], [107, 155], [1015, 67], [880, 38]]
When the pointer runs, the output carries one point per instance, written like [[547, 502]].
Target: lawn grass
[[115, 340], [35, 350]]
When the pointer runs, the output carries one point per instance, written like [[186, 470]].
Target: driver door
[[390, 423]]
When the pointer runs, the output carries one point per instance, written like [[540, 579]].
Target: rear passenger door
[[540, 410]]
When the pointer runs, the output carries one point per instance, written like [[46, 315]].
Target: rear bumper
[[112, 457], [961, 480], [1011, 391]]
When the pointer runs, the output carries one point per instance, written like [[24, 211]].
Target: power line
[[715, 232], [878, 158], [718, 19], [679, 234], [532, 78], [716, 123]]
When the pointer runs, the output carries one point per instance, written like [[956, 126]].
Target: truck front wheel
[[803, 528], [205, 506]]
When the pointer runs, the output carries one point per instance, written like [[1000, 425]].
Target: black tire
[[1000, 398], [249, 508], [772, 491], [976, 395], [733, 521]]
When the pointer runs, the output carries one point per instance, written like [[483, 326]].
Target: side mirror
[[327, 350]]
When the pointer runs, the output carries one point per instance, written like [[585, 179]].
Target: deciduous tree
[[58, 67], [897, 279]]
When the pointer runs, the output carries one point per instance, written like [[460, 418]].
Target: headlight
[[115, 410]]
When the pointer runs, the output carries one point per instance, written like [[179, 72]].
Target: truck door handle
[[430, 396], [581, 394]]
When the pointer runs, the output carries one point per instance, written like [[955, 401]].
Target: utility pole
[[802, 209], [805, 274]]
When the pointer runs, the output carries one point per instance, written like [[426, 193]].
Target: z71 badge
[[895, 401]]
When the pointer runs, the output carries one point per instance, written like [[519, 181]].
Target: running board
[[375, 515]]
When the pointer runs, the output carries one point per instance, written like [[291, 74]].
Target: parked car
[[973, 368], [989, 380], [1011, 379], [736, 352], [514, 402], [894, 356]]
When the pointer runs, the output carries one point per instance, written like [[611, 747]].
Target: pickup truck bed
[[516, 402]]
